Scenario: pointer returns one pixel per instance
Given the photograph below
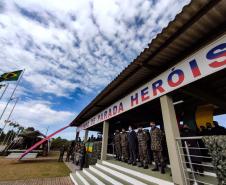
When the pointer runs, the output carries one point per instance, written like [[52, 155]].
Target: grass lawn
[[14, 170]]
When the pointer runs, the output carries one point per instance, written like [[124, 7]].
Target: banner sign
[[206, 61]]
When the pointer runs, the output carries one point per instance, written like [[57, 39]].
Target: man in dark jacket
[[217, 129], [150, 156], [132, 140], [156, 147], [209, 129]]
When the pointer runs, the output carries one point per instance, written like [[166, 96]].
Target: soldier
[[150, 156], [80, 155], [142, 144], [82, 152], [124, 145], [62, 150], [68, 154], [156, 147], [132, 140], [76, 154], [99, 146], [117, 142]]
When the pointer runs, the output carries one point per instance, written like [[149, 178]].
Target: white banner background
[[203, 65]]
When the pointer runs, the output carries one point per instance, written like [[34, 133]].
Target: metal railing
[[196, 162]]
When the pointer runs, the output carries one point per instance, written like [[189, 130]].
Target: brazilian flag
[[11, 76]]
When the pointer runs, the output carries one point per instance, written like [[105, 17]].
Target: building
[[183, 67]]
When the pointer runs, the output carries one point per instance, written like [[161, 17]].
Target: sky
[[71, 50]]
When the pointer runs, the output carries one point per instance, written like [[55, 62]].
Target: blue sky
[[71, 50]]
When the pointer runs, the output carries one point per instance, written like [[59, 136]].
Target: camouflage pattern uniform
[[142, 144], [95, 146], [99, 145], [62, 150], [124, 145], [69, 151], [117, 142], [156, 147], [82, 153]]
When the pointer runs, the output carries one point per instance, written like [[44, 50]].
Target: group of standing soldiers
[[75, 152], [135, 147]]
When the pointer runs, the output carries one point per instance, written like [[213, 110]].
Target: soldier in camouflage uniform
[[82, 153], [117, 142], [95, 155], [124, 145], [142, 144], [99, 145], [156, 147]]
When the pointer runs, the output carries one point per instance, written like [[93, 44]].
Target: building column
[[172, 132], [104, 140], [86, 135]]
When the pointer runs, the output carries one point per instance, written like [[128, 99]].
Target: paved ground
[[71, 166], [44, 181]]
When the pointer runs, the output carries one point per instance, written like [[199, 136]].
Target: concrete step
[[111, 179], [97, 179], [145, 176], [116, 173], [86, 180], [121, 175], [75, 179]]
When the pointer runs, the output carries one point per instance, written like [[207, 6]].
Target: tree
[[58, 142]]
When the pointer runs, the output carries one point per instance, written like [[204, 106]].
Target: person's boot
[[140, 164], [156, 168], [134, 163], [129, 162], [145, 165], [163, 170]]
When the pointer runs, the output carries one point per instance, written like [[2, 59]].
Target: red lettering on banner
[[120, 109], [105, 115], [144, 94], [109, 113], [180, 77], [194, 68], [115, 110], [134, 100], [157, 86], [215, 54]]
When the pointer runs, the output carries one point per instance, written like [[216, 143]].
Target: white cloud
[[73, 45], [38, 114], [77, 44]]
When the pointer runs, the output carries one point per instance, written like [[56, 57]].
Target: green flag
[[11, 76]]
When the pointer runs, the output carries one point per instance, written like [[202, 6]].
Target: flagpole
[[7, 135], [6, 121], [12, 94], [4, 91]]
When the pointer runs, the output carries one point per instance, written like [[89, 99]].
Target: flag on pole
[[11, 76]]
